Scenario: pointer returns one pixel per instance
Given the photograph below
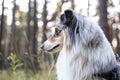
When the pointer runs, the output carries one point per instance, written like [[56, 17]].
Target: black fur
[[111, 75], [67, 17], [69, 21], [71, 30]]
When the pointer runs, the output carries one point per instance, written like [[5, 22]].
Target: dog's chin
[[53, 50]]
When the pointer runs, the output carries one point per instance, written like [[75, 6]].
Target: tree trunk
[[72, 4], [26, 56], [103, 21], [35, 29], [88, 8], [44, 14], [12, 42], [118, 41], [1, 36], [45, 56], [31, 42], [13, 22], [28, 29]]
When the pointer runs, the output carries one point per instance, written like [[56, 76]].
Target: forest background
[[26, 24]]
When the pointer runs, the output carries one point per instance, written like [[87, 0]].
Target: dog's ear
[[69, 17], [69, 14]]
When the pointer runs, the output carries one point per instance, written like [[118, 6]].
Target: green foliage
[[12, 76], [15, 62]]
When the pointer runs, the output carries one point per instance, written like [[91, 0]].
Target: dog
[[86, 54]]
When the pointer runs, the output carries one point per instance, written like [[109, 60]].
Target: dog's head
[[68, 22], [54, 43], [65, 19]]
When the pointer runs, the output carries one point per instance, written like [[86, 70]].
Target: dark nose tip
[[42, 46]]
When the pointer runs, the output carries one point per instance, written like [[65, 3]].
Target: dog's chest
[[73, 68]]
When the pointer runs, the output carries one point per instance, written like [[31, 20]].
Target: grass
[[16, 73], [20, 75]]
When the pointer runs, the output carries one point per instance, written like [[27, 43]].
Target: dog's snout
[[42, 47]]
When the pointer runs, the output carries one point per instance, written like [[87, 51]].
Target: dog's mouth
[[53, 48]]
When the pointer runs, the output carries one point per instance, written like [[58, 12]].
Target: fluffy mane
[[85, 52]]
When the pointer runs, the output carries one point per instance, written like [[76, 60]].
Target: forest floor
[[21, 75]]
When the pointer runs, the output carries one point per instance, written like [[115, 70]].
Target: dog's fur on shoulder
[[85, 52]]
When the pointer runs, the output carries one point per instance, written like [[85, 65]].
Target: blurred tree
[[45, 56], [118, 41], [21, 37], [12, 42], [88, 8], [111, 21], [1, 35], [118, 36], [44, 14], [103, 21], [31, 31], [16, 31], [35, 30], [27, 58], [72, 4]]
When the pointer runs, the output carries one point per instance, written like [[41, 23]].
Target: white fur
[[78, 62]]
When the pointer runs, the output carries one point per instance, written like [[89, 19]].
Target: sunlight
[[23, 5], [50, 24], [40, 23], [114, 43], [17, 23]]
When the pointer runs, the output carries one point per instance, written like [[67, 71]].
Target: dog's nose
[[42, 47]]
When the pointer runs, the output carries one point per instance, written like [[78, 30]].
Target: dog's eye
[[57, 32], [56, 35]]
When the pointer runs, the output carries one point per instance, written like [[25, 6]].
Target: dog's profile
[[54, 43], [85, 54]]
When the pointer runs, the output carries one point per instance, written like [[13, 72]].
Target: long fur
[[85, 52]]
